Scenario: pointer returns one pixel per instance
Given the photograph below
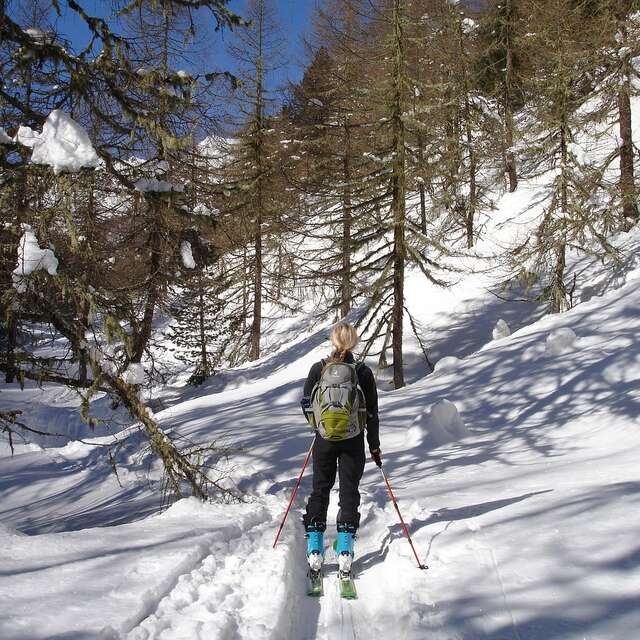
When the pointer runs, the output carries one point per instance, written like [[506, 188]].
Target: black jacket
[[367, 383]]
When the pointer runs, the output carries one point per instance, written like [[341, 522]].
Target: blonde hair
[[344, 338]]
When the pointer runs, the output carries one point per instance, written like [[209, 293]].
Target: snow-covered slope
[[521, 496]]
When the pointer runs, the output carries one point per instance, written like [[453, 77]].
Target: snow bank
[[501, 330], [32, 258], [63, 144], [560, 341], [187, 255], [439, 424]]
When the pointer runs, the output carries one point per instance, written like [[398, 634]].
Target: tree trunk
[[510, 160], [627, 183], [398, 197], [345, 293], [558, 289], [10, 354], [83, 358], [254, 353], [203, 336], [421, 188], [256, 325], [155, 241], [473, 190]]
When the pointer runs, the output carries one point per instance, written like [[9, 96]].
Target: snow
[[501, 330], [437, 425], [134, 374], [63, 144], [515, 492], [449, 363], [145, 185], [32, 258], [187, 255], [4, 138], [560, 341]]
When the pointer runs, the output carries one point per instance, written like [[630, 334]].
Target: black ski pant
[[347, 457]]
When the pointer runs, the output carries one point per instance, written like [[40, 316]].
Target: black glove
[[305, 403], [376, 456]]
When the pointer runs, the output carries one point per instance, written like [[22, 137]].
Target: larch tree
[[251, 164], [104, 86]]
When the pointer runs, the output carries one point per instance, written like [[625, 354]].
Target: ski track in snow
[[207, 602]]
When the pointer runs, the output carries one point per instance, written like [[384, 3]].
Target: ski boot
[[315, 555], [343, 546], [315, 546]]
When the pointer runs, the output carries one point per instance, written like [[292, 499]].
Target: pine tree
[[198, 330], [566, 63], [499, 72], [129, 108], [251, 164]]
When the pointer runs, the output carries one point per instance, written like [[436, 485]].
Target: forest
[[158, 213]]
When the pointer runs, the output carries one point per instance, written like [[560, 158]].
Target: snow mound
[[32, 258], [501, 330], [439, 424], [446, 364], [63, 144], [560, 341]]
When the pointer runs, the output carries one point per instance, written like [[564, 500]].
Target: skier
[[333, 395]]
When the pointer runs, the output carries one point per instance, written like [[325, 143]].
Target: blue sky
[[293, 17]]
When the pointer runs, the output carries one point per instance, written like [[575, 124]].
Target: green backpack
[[338, 407]]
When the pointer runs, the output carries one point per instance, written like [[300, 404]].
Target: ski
[[315, 586], [347, 585]]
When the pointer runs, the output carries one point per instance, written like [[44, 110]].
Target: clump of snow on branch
[[63, 144], [187, 255], [32, 258]]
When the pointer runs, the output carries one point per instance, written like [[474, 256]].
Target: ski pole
[[404, 526], [295, 491]]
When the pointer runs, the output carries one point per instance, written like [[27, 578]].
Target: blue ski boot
[[315, 546], [343, 546]]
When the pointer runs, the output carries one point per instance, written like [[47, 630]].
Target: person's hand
[[376, 456]]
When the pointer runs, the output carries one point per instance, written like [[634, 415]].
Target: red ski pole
[[404, 526], [295, 491]]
